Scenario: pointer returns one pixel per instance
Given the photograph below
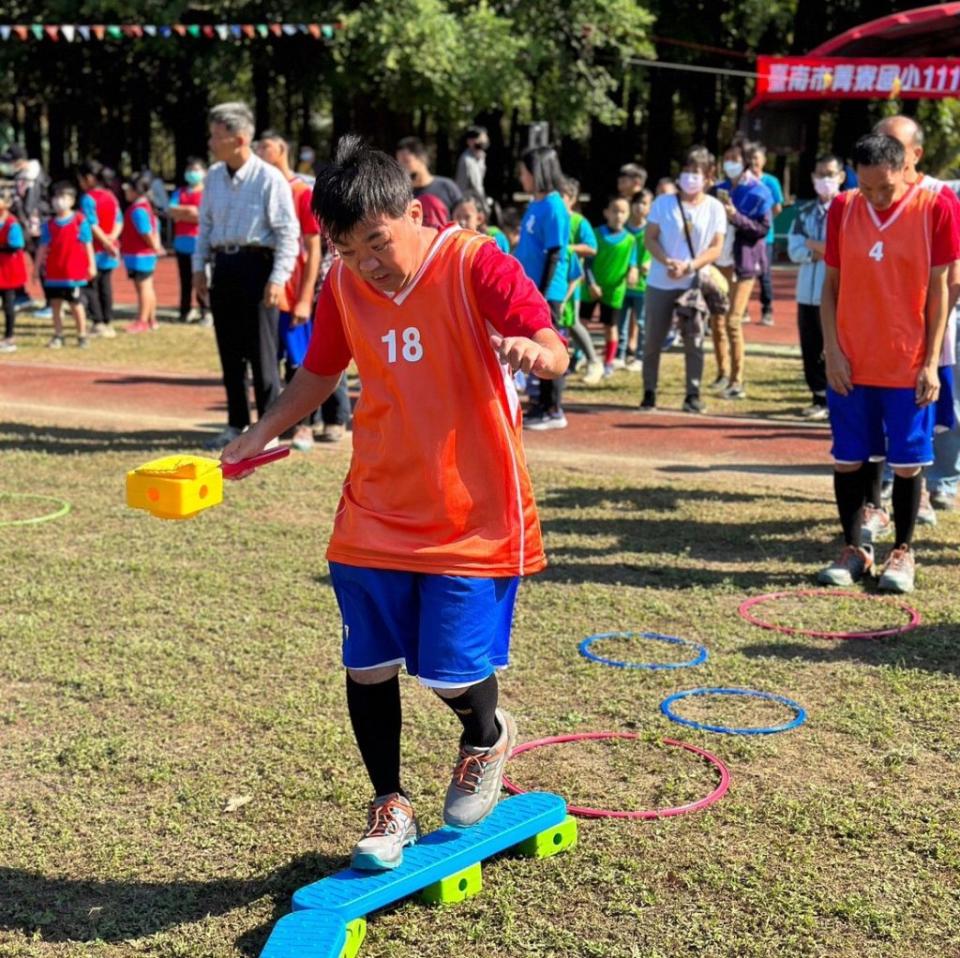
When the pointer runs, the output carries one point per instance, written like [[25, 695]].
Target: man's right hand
[[245, 446], [838, 371], [200, 288]]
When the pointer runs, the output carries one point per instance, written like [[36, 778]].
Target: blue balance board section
[[307, 934], [353, 894]]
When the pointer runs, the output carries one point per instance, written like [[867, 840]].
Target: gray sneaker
[[899, 571], [876, 524], [925, 514], [391, 826], [849, 568], [939, 499], [222, 439], [475, 787]]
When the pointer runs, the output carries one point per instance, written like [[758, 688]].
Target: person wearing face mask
[[806, 243], [306, 164], [185, 212], [684, 233], [472, 165], [747, 204]]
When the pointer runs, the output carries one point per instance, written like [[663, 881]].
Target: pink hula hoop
[[585, 812], [745, 613]]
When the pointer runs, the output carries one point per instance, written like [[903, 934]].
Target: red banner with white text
[[842, 78]]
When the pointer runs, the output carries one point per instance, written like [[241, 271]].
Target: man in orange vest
[[296, 304], [884, 312], [437, 522]]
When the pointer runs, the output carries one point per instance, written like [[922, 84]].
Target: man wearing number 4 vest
[[437, 521], [884, 313]]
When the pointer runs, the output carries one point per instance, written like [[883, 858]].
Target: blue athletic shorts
[[447, 630], [874, 422], [293, 340], [946, 417]]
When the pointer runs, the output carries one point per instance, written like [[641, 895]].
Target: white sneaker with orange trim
[[391, 827]]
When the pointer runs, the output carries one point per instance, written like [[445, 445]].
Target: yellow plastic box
[[175, 487]]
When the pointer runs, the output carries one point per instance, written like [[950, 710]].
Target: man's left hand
[[519, 352], [928, 386], [301, 313], [271, 295]]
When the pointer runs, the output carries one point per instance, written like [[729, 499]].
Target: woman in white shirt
[[676, 260]]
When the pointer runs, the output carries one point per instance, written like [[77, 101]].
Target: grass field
[[175, 757]]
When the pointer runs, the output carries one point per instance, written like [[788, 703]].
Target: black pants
[[99, 296], [247, 332], [9, 311], [551, 390], [336, 410], [766, 285], [811, 347], [185, 269]]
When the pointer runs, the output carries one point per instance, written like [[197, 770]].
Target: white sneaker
[[635, 366], [594, 373], [55, 342], [391, 827], [545, 421], [618, 364], [899, 571], [7, 347], [876, 525], [222, 439], [107, 331], [815, 413], [925, 514]]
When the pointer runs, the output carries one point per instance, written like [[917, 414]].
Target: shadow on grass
[[931, 648], [64, 441], [67, 910]]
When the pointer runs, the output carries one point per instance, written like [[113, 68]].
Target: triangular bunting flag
[[236, 30], [276, 29], [209, 32], [21, 32], [193, 30], [327, 32], [249, 30], [180, 29], [166, 31], [302, 28], [223, 31], [37, 31], [84, 32], [5, 32], [115, 33], [68, 32], [99, 31], [314, 29], [289, 29], [262, 29], [150, 30]]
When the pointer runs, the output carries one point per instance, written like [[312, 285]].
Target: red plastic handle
[[231, 469]]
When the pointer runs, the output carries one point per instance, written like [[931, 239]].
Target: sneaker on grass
[[55, 342], [302, 439], [649, 400], [594, 373], [391, 827], [876, 524], [720, 385], [475, 786], [940, 499], [899, 571], [817, 412], [222, 439], [925, 515], [849, 568]]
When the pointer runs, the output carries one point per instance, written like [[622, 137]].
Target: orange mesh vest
[[884, 277], [438, 482]]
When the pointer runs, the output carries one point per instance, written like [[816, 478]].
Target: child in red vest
[[66, 261], [185, 212], [102, 211], [13, 267], [140, 247]]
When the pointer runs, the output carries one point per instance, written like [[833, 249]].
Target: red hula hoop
[[585, 812], [745, 613]]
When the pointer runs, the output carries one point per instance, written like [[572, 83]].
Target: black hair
[[92, 168], [640, 196], [829, 158], [634, 170], [700, 157], [276, 136], [194, 161], [878, 149], [740, 148], [474, 132], [414, 145], [510, 218], [140, 184], [359, 184], [615, 198], [63, 186], [543, 165], [471, 196]]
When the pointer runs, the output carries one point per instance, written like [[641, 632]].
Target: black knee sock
[[874, 474], [849, 488], [475, 708], [906, 504], [375, 715]]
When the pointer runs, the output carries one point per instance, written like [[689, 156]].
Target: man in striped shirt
[[249, 232]]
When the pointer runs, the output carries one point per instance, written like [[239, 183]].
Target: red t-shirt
[[945, 238], [302, 194], [510, 302]]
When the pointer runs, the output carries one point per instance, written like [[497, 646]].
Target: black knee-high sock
[[375, 715], [850, 488], [874, 473], [475, 708], [906, 505]]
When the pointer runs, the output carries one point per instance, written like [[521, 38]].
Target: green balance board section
[[307, 934], [352, 894]]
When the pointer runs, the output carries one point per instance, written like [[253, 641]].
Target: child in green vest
[[610, 271], [631, 328]]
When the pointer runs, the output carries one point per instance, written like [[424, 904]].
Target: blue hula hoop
[[800, 714], [700, 658]]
